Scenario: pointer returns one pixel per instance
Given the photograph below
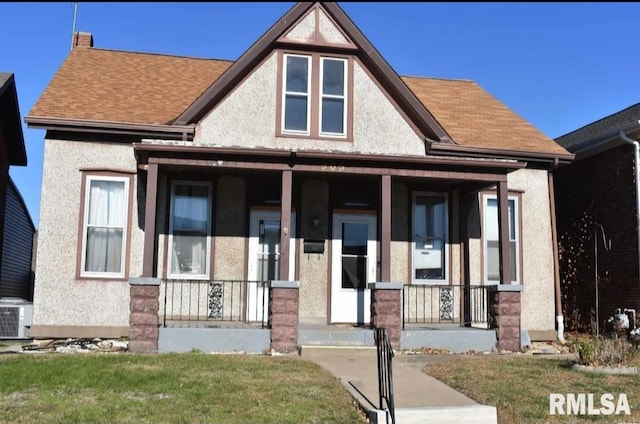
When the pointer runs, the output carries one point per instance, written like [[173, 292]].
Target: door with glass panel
[[353, 266], [430, 217], [264, 260]]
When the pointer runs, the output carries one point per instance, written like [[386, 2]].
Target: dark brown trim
[[385, 236], [150, 220], [285, 223], [503, 228], [261, 154], [98, 171], [81, 242], [421, 173], [139, 130], [466, 151], [244, 65], [554, 240]]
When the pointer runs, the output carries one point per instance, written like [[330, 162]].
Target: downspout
[[556, 266], [636, 148]]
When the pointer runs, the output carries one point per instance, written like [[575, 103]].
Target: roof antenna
[[73, 31]]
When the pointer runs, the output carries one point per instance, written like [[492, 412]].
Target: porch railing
[[385, 372], [216, 300], [466, 305]]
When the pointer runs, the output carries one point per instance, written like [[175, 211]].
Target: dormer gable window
[[314, 100]]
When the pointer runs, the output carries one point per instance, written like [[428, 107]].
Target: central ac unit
[[16, 316]]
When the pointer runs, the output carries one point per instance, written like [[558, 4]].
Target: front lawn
[[169, 388], [520, 387]]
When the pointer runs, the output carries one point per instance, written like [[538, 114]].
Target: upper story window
[[105, 226], [315, 100]]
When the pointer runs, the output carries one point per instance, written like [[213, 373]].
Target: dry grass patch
[[519, 387]]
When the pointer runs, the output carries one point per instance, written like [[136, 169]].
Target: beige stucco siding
[[400, 248], [537, 249], [60, 299], [247, 118], [230, 262], [314, 267]]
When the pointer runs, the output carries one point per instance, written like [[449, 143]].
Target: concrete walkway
[[418, 397]]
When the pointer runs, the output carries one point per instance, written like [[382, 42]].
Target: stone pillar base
[[143, 315], [504, 315], [386, 310], [283, 315]]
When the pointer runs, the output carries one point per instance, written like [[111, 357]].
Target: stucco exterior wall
[[314, 267], [247, 118], [400, 247], [60, 299], [538, 304], [230, 261]]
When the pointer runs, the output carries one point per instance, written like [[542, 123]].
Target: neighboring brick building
[[599, 187]]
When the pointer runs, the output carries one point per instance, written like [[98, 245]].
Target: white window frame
[[445, 197], [206, 274], [295, 93], [344, 99], [85, 226], [515, 279]]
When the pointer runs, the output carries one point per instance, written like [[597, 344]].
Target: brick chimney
[[82, 40]]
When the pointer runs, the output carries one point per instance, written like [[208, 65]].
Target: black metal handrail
[[466, 304], [385, 372], [216, 300]]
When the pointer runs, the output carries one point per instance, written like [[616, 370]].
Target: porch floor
[[226, 336]]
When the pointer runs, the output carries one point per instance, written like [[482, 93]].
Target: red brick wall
[[600, 189], [283, 319], [386, 313], [143, 319]]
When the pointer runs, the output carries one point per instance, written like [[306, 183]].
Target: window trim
[[447, 243], [314, 110], [322, 96], [104, 175], [308, 94], [517, 198], [208, 257]]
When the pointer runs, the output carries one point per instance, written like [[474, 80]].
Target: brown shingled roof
[[118, 86], [474, 118], [141, 88]]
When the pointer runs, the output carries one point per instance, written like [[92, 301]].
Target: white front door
[[264, 259], [353, 265]]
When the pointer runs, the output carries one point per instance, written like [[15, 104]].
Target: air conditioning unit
[[16, 316]]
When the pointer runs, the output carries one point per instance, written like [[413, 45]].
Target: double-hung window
[[430, 238], [104, 229], [314, 96], [190, 230], [492, 239]]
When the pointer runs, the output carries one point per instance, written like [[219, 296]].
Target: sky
[[560, 66]]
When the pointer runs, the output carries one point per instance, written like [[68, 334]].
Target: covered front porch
[[336, 225]]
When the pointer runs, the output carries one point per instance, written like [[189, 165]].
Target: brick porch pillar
[[143, 314], [283, 315], [386, 310], [504, 315]]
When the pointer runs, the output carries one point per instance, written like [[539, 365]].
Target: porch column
[[285, 224], [386, 309], [504, 298], [385, 238], [503, 227], [283, 315], [150, 220]]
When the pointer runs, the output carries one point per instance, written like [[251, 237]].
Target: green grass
[[519, 387], [169, 388]]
